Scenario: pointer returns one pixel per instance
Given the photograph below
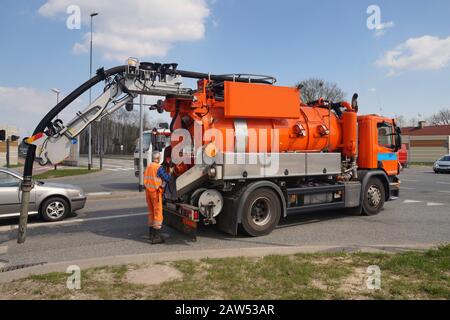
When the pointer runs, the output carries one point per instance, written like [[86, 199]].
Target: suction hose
[[27, 183]]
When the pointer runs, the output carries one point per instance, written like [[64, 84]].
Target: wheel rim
[[374, 196], [260, 211], [55, 209]]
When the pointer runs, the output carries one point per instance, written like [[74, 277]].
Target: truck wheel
[[261, 212], [374, 195], [54, 209]]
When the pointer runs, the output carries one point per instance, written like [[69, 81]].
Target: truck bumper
[[180, 217]]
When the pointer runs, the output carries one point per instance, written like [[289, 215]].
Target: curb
[[151, 258]]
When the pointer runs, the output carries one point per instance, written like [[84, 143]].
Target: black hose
[[198, 75], [101, 75], [177, 111]]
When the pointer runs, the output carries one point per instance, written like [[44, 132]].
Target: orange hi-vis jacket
[[151, 180]]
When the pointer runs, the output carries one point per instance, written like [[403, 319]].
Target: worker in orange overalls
[[153, 180]]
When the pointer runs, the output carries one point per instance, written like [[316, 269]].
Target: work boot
[[157, 238], [151, 234]]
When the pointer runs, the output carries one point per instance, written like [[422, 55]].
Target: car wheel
[[54, 209], [261, 212], [374, 195]]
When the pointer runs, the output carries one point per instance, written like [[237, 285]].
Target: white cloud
[[424, 53], [139, 28], [380, 30], [24, 107]]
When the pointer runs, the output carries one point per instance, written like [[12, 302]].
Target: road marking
[[441, 182], [3, 249], [405, 188], [433, 204], [98, 193], [411, 201], [408, 180], [444, 191], [71, 221]]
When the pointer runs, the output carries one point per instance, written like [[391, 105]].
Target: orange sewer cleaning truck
[[245, 152]]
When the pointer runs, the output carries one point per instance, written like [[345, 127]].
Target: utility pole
[[141, 147], [8, 141], [101, 143], [7, 152], [57, 92], [90, 100]]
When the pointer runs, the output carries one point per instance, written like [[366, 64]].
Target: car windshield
[[446, 158]]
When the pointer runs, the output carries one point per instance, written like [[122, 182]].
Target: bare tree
[[401, 120], [314, 88], [413, 122], [441, 118]]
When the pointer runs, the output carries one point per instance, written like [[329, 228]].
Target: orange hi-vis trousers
[[155, 211]]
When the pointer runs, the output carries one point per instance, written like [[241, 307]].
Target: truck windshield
[[386, 135], [146, 143]]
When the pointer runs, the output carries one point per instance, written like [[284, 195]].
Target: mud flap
[[227, 219]]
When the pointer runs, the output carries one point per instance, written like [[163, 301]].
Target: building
[[426, 143], [13, 147]]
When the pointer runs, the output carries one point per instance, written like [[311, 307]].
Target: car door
[[9, 193]]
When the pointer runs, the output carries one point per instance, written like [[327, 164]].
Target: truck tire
[[261, 212], [54, 209], [374, 195]]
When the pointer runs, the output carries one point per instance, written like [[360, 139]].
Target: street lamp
[[90, 99], [57, 94]]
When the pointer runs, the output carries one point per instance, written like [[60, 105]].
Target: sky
[[394, 54]]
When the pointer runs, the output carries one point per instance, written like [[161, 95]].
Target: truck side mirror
[[398, 138], [2, 135]]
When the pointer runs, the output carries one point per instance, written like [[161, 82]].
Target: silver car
[[442, 165], [52, 201]]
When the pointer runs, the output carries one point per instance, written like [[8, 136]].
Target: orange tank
[[263, 118]]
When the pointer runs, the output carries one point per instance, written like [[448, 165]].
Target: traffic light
[[2, 135]]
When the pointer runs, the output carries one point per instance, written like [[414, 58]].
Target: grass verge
[[63, 173], [408, 275]]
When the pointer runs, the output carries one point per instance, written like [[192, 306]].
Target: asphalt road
[[117, 175], [421, 216]]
